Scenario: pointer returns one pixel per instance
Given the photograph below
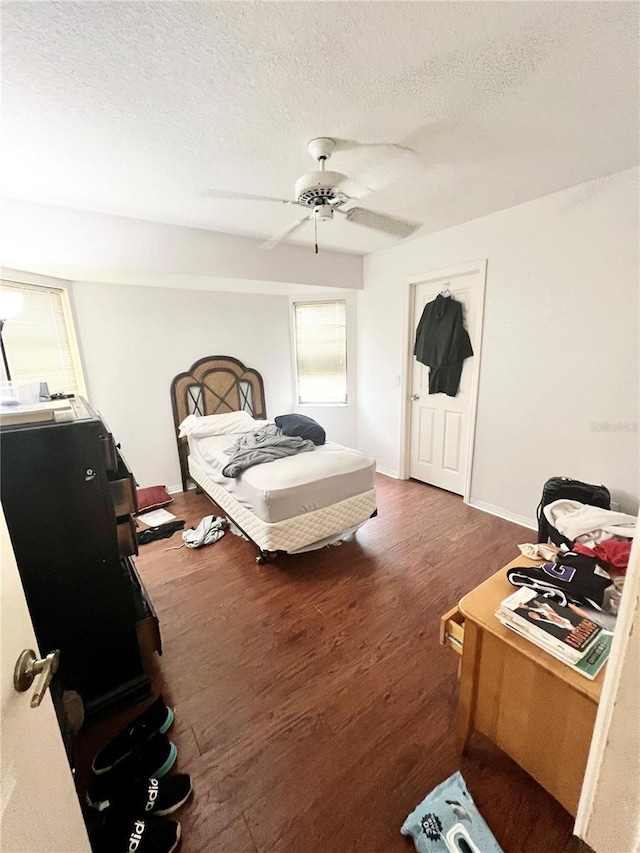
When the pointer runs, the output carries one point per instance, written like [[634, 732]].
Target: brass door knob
[[28, 667]]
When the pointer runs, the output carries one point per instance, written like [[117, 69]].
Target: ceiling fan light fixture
[[320, 186], [323, 211]]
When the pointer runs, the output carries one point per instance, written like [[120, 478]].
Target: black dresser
[[68, 497]]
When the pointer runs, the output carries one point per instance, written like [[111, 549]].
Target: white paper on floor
[[155, 517]]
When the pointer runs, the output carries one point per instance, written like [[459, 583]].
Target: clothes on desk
[[572, 578], [589, 525], [614, 552], [442, 344]]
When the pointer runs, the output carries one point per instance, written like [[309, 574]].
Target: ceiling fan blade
[[381, 221], [354, 189], [227, 194], [282, 235]]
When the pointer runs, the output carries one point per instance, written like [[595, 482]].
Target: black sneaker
[[157, 718], [154, 758], [135, 835], [147, 797]]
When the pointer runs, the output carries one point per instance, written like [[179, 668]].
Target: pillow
[[302, 426], [153, 497], [231, 422], [449, 812]]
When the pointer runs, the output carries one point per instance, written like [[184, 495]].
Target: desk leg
[[467, 689]]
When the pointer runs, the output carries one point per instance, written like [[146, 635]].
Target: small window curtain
[[38, 343], [321, 352]]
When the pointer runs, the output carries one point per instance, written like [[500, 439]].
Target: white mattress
[[300, 533], [289, 487]]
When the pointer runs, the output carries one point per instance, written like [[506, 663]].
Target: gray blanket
[[262, 445]]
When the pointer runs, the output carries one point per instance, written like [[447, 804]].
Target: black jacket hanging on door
[[442, 343]]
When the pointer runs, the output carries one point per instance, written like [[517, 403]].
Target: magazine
[[566, 630], [592, 660]]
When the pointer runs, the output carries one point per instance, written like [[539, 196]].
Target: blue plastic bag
[[447, 821]]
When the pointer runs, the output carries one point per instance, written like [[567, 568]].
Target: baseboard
[[388, 472], [173, 490], [500, 512]]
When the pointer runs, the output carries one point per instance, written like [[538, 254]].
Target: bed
[[290, 505]]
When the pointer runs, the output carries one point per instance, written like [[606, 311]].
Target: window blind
[[39, 344], [321, 352]]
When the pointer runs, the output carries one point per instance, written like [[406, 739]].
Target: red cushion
[[153, 497]]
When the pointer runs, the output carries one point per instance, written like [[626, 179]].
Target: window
[[320, 333], [40, 340]]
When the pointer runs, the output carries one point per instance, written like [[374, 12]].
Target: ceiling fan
[[323, 193]]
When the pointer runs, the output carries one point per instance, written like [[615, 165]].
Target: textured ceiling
[[135, 108]]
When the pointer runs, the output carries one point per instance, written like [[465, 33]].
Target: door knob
[[415, 396], [28, 666]]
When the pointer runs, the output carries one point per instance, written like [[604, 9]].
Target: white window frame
[[15, 282], [313, 404]]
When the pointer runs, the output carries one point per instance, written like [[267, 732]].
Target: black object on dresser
[[68, 497]]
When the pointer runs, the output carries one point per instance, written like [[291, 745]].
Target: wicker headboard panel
[[212, 386]]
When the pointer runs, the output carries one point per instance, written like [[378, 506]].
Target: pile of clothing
[[581, 577], [589, 525]]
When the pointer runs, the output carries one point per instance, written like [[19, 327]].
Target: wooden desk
[[534, 707]]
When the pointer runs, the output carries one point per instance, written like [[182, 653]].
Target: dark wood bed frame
[[214, 385]]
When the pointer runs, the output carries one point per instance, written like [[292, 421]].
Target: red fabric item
[[579, 548], [613, 552]]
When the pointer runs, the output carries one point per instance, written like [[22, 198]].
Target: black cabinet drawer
[[109, 453], [123, 488], [147, 625], [123, 495], [127, 540]]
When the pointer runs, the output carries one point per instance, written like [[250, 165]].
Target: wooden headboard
[[212, 386]]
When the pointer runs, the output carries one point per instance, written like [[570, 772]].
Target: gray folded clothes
[[263, 445], [210, 529]]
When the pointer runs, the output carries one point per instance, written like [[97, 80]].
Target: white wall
[[560, 345], [614, 823], [608, 816], [136, 339], [86, 246]]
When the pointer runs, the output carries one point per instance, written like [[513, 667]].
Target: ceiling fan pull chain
[[315, 231]]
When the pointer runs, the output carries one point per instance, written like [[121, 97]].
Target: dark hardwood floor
[[314, 706]]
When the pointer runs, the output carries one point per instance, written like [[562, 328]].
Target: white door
[[39, 808], [441, 426]]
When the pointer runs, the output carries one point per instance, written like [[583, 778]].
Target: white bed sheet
[[285, 488]]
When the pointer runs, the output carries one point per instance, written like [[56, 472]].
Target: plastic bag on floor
[[447, 821]]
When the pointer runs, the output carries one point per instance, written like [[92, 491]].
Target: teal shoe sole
[[171, 760], [168, 722]]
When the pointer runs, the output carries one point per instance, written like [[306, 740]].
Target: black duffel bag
[[573, 490]]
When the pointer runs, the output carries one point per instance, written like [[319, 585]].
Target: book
[[34, 413], [591, 661], [566, 630]]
